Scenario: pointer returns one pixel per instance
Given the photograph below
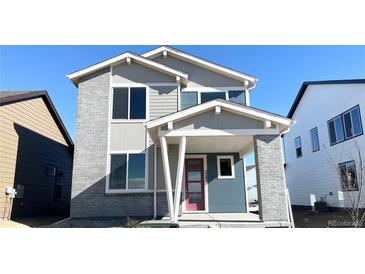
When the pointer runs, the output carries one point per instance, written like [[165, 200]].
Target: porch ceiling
[[215, 144]]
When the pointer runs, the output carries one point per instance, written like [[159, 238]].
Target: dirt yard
[[310, 219]]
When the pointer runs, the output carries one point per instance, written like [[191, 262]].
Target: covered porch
[[213, 140]]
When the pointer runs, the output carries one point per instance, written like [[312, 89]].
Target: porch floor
[[227, 220]]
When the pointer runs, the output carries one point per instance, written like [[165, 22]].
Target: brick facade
[[270, 178]]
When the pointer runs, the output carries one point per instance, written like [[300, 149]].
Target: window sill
[[115, 121], [131, 191], [226, 177]]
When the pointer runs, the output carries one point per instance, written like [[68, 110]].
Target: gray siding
[[225, 195], [226, 120], [130, 136], [136, 73], [173, 159], [198, 76], [162, 101]]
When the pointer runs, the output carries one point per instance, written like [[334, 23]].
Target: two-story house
[[166, 134], [322, 149]]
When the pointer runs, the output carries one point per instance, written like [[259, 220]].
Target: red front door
[[194, 184]]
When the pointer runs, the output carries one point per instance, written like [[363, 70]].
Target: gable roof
[[229, 106], [304, 86], [201, 62], [10, 97], [74, 76]]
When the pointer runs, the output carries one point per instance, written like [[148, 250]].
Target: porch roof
[[282, 122]]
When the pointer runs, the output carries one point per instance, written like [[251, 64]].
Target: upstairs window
[[209, 96], [345, 126], [129, 103], [237, 96], [188, 99], [314, 139], [348, 176], [298, 147]]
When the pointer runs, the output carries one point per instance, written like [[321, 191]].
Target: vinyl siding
[[163, 101], [312, 173], [29, 139]]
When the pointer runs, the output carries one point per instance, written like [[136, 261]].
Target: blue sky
[[280, 69]]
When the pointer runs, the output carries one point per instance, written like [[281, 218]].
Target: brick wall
[[270, 178]]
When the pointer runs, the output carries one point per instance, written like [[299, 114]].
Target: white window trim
[[226, 90], [129, 86], [219, 157], [116, 191]]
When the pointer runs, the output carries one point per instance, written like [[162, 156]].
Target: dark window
[[348, 176], [135, 109], [138, 103], [314, 139], [188, 99], [237, 96], [127, 171], [345, 126], [136, 171], [356, 121], [298, 147], [120, 103], [50, 170], [118, 171], [209, 96], [225, 167], [59, 184]]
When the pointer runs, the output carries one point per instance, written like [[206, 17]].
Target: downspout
[[155, 182]]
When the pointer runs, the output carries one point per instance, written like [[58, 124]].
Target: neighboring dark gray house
[[36, 155], [166, 134]]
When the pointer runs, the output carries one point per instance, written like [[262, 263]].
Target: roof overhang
[[166, 51], [128, 57], [282, 122]]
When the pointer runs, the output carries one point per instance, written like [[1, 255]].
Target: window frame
[[126, 190], [59, 184], [301, 147], [222, 177], [226, 90], [342, 119], [319, 147], [111, 101], [356, 180], [54, 171]]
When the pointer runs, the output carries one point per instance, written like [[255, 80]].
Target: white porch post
[[179, 176], [166, 169]]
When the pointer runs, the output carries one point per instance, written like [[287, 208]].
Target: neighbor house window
[[209, 96], [127, 171], [345, 126], [188, 99], [314, 139], [225, 167], [50, 171], [237, 96], [348, 176], [59, 185], [129, 103], [298, 147]]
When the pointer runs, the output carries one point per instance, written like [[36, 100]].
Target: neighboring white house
[[328, 126], [251, 185]]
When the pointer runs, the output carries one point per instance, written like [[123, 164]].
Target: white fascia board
[[214, 67], [134, 57], [241, 110]]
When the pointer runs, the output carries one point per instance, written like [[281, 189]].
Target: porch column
[[270, 178], [166, 169], [179, 176]]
